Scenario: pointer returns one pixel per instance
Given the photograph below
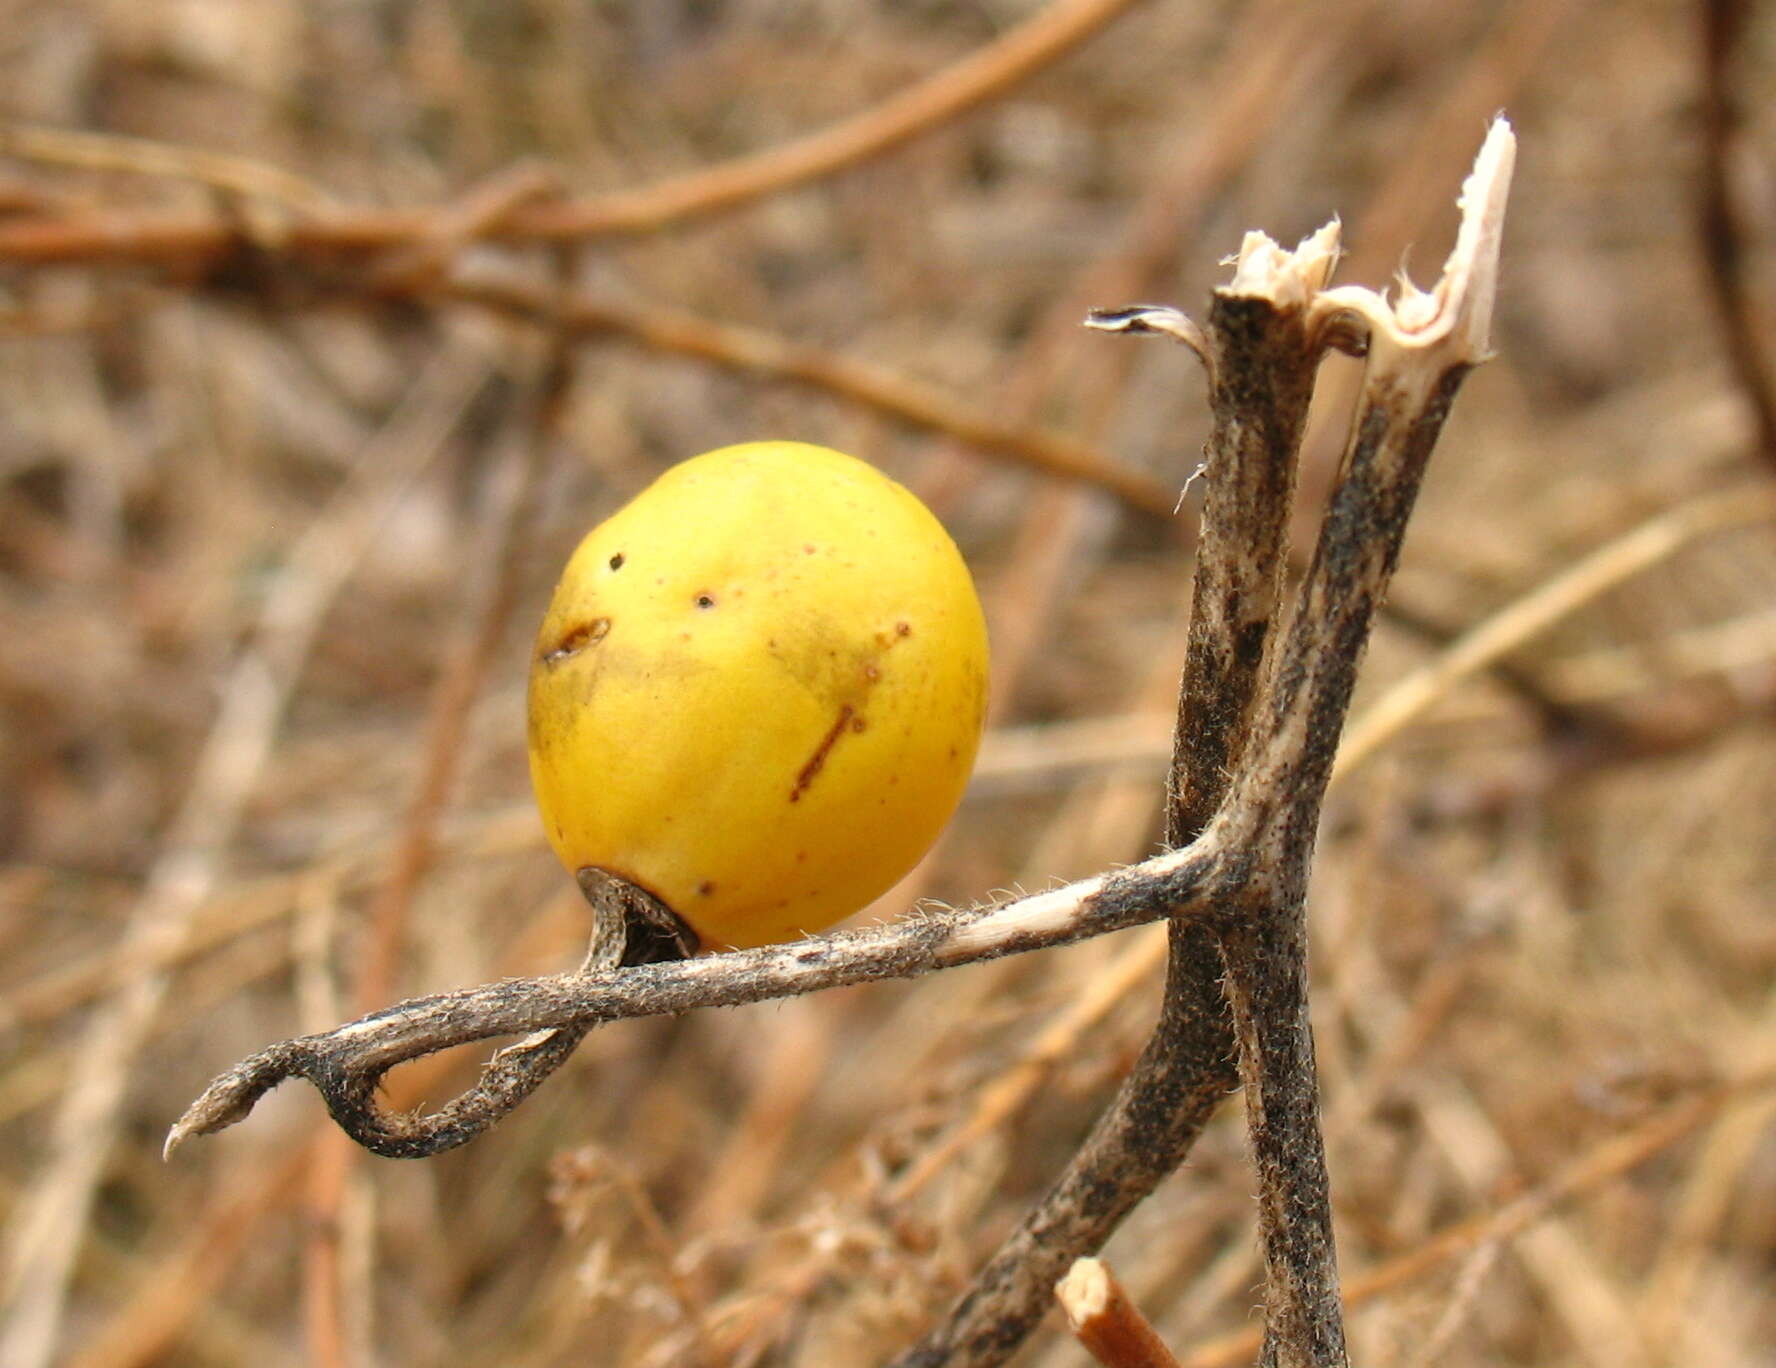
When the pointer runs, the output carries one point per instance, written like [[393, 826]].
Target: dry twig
[[1722, 236], [941, 97], [756, 352], [1261, 347], [1106, 1321], [1616, 561], [1252, 771], [1261, 364]]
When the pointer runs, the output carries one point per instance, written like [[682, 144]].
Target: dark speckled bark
[[1263, 930], [1261, 364]]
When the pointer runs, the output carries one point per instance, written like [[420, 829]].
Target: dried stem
[[1264, 939], [941, 97], [1259, 728], [244, 177], [1618, 560], [1261, 361], [1107, 1322], [1262, 380], [1419, 351], [346, 1064], [759, 353], [1261, 366], [1722, 237]]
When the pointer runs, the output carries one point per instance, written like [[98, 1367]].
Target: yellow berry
[[758, 691]]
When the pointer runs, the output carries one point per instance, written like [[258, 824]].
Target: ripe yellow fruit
[[758, 691]]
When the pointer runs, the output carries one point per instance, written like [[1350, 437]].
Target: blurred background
[[281, 504]]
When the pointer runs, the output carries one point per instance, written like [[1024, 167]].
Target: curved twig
[[346, 1064], [974, 80], [766, 354]]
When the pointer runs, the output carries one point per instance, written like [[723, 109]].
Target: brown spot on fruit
[[705, 888], [858, 724], [871, 673], [903, 628], [576, 639], [805, 775], [706, 600], [616, 561]]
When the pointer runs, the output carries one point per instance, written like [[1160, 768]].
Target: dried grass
[[1535, 950]]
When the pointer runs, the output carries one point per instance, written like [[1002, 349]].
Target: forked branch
[[1261, 356], [1266, 333], [347, 1063], [1261, 709]]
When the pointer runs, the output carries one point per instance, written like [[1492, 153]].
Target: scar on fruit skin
[[847, 715], [816, 760], [577, 639]]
